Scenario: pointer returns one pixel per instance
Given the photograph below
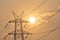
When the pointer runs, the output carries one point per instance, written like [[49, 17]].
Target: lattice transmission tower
[[21, 33]]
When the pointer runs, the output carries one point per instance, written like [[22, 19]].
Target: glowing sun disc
[[32, 20]]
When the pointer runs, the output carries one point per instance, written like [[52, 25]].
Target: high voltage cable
[[38, 6], [48, 32], [42, 22], [32, 10]]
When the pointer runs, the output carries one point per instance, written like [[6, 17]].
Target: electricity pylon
[[21, 31]]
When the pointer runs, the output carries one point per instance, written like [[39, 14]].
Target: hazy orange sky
[[6, 7]]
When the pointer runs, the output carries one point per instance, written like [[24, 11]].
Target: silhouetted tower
[[20, 21]]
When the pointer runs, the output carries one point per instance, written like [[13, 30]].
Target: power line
[[34, 8], [43, 21], [48, 32], [37, 7]]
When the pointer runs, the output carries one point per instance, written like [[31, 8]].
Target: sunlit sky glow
[[37, 17], [32, 20]]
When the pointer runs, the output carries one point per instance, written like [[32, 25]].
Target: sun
[[32, 20]]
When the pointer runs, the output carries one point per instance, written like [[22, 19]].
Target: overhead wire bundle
[[46, 19]]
